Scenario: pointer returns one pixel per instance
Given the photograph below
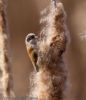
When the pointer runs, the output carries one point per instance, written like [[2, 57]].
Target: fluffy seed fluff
[[50, 81]]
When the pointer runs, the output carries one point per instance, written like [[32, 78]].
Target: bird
[[31, 45]]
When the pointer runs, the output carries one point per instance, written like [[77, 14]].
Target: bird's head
[[30, 39]]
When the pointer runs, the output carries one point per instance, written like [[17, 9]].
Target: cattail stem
[[5, 66]]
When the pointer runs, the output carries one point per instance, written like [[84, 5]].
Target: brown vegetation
[[5, 70], [49, 82]]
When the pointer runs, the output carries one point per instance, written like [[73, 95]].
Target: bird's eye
[[30, 38]]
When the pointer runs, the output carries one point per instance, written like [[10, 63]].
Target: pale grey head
[[31, 39]]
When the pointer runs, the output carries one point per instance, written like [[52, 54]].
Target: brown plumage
[[31, 44]]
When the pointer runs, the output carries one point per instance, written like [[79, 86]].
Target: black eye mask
[[30, 38]]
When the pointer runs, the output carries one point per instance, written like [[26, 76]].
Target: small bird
[[31, 45]]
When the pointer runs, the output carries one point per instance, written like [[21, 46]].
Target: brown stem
[[5, 65]]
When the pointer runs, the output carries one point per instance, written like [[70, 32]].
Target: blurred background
[[23, 18]]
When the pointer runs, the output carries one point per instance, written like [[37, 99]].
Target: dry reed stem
[[5, 66]]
